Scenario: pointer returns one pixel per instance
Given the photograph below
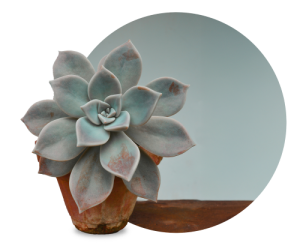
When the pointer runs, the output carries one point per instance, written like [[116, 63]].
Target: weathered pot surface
[[110, 216]]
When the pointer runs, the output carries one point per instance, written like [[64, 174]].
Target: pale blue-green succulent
[[93, 125]]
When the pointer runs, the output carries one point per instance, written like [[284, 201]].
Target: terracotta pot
[[110, 216]]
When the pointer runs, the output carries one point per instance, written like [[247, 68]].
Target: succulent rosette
[[94, 124]]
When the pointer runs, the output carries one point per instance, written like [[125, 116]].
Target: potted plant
[[102, 136]]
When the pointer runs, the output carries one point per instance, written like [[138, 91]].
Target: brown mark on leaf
[[174, 89], [136, 185], [130, 55], [181, 152], [112, 76], [84, 181], [122, 162], [51, 114]]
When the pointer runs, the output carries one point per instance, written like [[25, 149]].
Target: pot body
[[110, 216]]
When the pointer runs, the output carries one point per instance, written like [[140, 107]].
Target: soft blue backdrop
[[234, 111]]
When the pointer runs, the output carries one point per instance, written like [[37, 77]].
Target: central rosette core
[[107, 116]]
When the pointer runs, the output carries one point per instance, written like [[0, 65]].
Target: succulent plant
[[96, 120]]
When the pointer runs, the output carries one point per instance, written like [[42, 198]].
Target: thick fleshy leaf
[[146, 179], [120, 156], [92, 108], [120, 124], [125, 62], [140, 102], [112, 113], [103, 106], [104, 120], [90, 184], [162, 136], [40, 114], [70, 93], [104, 83], [101, 62], [173, 96], [115, 101], [57, 141], [73, 63], [56, 168], [89, 134]]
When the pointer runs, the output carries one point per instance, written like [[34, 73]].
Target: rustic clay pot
[[111, 215]]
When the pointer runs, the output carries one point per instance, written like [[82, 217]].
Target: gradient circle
[[234, 111]]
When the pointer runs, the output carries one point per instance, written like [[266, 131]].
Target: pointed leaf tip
[[70, 93], [57, 141], [173, 95], [56, 168], [169, 139], [72, 63], [125, 62], [40, 114]]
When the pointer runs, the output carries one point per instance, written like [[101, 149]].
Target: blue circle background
[[234, 111]]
